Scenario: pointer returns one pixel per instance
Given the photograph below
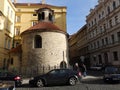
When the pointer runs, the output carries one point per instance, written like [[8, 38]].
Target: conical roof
[[44, 26]]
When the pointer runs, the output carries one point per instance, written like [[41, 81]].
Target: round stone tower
[[44, 46]]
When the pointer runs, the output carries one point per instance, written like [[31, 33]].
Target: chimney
[[43, 1], [15, 1]]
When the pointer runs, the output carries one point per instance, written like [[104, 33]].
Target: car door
[[62, 76], [3, 76], [52, 77], [10, 76]]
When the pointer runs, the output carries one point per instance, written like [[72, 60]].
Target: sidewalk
[[91, 77], [25, 81]]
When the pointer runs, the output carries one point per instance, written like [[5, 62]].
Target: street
[[93, 81]]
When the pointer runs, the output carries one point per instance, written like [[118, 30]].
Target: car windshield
[[112, 70]]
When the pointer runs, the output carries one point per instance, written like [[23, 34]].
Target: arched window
[[50, 17], [39, 16], [43, 15], [63, 64], [38, 42]]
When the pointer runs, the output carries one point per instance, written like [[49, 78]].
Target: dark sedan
[[112, 74], [56, 77], [8, 76]]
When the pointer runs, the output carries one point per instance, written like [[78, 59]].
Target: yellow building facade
[[7, 14], [15, 18]]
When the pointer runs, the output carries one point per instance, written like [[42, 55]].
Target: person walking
[[84, 70], [77, 68]]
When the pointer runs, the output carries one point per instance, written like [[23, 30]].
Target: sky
[[77, 10]]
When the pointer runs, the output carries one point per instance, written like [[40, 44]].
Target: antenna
[[43, 1]]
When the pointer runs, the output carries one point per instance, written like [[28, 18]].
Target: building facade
[[103, 36], [40, 39], [78, 47], [7, 16], [16, 18]]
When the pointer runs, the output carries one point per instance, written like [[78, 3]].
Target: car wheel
[[40, 83], [72, 81]]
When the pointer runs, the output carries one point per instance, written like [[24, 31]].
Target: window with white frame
[[18, 18], [17, 31], [8, 10], [98, 44], [118, 36], [110, 23], [5, 43], [103, 42], [112, 38], [108, 10], [115, 55], [114, 5], [116, 19], [11, 14], [9, 43], [104, 26], [106, 40]]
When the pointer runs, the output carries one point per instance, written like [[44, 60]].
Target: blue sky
[[77, 10]]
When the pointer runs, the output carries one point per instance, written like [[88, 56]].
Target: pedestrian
[[84, 70], [77, 68]]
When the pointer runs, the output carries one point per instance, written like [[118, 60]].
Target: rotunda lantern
[[45, 14]]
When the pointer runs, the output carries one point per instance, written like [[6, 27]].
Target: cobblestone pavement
[[93, 81]]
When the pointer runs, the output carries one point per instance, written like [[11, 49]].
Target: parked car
[[56, 77], [97, 67], [111, 74], [7, 85], [9, 76]]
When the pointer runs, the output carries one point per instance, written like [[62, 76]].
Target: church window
[[50, 17], [39, 16], [38, 42], [43, 15], [63, 64]]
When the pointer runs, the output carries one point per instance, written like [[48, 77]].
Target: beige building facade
[[103, 36], [78, 47], [7, 16]]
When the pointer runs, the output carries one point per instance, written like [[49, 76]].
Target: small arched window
[[39, 16], [38, 41], [43, 15], [63, 64], [50, 17]]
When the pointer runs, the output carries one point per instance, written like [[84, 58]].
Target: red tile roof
[[44, 26]]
